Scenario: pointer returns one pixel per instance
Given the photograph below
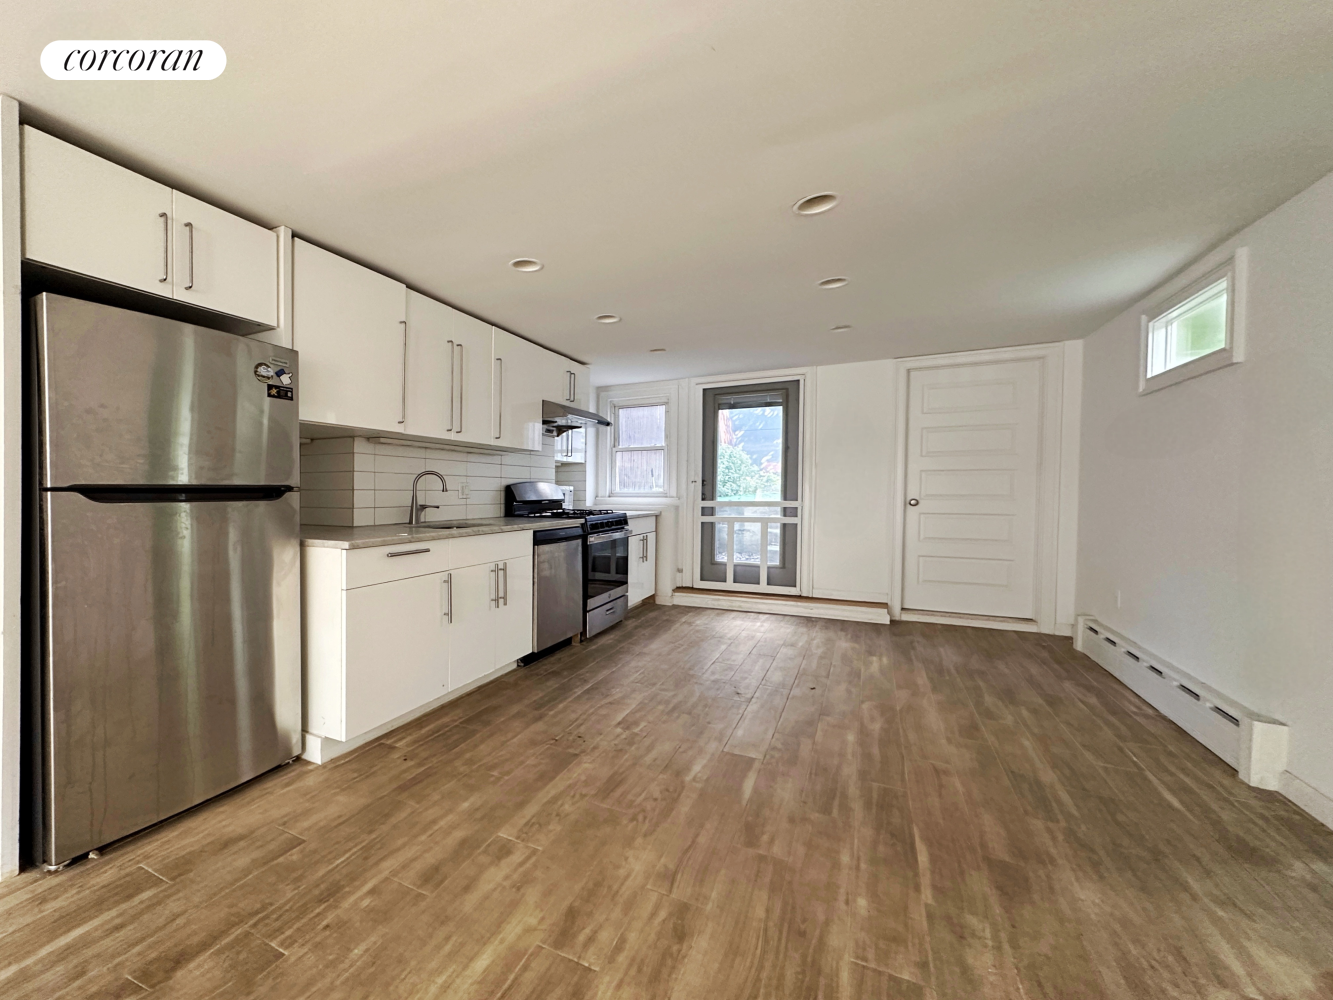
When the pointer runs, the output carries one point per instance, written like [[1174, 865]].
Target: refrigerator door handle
[[176, 494]]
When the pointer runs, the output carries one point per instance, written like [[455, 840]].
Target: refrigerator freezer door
[[172, 659], [131, 398]]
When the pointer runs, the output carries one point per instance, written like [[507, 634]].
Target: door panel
[[224, 262], [472, 420], [172, 403], [749, 501], [88, 215], [472, 634], [348, 323], [973, 452], [518, 368], [397, 649], [172, 659], [431, 358], [513, 612]]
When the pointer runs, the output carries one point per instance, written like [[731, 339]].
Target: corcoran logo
[[133, 60]]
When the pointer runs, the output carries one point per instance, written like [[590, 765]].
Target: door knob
[[913, 502]]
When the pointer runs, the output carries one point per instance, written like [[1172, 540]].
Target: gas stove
[[543, 501]]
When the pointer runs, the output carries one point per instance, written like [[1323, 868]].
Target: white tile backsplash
[[353, 481], [574, 474]]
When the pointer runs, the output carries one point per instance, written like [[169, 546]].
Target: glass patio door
[[749, 500]]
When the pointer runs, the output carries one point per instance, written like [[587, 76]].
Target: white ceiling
[[1011, 172]]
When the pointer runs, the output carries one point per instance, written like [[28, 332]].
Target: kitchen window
[[638, 449], [1194, 331]]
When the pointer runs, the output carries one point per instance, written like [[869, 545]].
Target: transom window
[[1192, 332], [638, 453]]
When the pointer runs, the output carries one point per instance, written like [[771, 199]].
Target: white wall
[[852, 456], [1208, 505]]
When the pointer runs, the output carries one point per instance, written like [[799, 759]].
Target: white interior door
[[973, 456]]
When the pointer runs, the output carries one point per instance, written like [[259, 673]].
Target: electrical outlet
[[464, 490]]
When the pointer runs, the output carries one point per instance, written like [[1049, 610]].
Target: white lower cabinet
[[513, 612], [642, 564], [398, 633], [472, 631], [389, 631]]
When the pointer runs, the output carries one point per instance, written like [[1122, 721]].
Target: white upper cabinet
[[472, 378], [448, 372], [223, 262], [349, 324], [432, 362], [519, 373], [582, 387], [565, 381], [87, 215]]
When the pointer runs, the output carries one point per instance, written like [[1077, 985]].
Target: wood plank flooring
[[723, 805]]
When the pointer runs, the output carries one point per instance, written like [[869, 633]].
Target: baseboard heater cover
[[1254, 744]]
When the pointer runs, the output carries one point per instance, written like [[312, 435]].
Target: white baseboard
[[809, 608], [1309, 798], [969, 621], [1253, 743], [322, 749]]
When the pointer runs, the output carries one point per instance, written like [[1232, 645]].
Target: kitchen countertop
[[367, 536]]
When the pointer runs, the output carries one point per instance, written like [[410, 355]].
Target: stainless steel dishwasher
[[557, 584]]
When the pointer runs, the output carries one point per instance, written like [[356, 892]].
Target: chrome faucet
[[415, 516]]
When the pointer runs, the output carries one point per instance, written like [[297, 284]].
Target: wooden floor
[[710, 804]]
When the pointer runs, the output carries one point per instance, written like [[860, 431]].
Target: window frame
[[1231, 353], [625, 403]]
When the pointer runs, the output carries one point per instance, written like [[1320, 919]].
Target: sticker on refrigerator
[[263, 372], [280, 392]]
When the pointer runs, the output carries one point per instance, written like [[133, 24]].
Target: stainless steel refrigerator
[[169, 665]]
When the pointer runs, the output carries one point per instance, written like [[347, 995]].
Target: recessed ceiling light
[[607, 318], [657, 350], [525, 264], [815, 204], [833, 282], [841, 328]]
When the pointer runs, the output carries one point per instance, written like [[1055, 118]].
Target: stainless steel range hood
[[557, 418]]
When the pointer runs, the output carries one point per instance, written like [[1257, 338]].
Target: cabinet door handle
[[494, 593], [458, 427], [404, 420], [504, 568], [499, 398], [190, 226], [447, 597], [166, 245], [451, 386], [406, 552]]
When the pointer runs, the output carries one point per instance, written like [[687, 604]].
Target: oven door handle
[[607, 536]]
